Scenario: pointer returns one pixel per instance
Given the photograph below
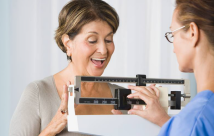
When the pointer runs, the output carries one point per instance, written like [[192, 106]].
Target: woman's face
[[92, 48], [182, 45]]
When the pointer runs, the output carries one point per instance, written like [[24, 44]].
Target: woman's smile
[[98, 62]]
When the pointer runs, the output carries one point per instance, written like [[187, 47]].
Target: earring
[[69, 58]]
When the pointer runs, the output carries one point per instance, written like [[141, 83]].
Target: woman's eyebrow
[[93, 32]]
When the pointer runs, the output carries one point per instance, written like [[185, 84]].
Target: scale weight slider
[[121, 96]]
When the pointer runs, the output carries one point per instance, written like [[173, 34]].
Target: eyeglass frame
[[168, 33]]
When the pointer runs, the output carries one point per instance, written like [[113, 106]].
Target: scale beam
[[121, 102]]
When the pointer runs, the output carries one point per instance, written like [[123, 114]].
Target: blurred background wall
[[28, 51]]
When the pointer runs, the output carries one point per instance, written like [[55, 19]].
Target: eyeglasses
[[169, 36]]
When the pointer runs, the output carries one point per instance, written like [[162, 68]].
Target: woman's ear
[[194, 33], [67, 43]]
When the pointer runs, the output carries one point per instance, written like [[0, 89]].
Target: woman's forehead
[[96, 27]]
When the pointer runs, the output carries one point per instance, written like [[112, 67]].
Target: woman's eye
[[92, 42], [108, 41]]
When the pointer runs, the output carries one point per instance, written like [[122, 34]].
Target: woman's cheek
[[111, 49], [86, 48]]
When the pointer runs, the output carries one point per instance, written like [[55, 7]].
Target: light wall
[[29, 52]]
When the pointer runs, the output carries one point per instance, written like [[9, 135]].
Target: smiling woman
[[91, 49], [85, 34], [71, 21]]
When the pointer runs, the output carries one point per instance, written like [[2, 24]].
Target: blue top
[[196, 119]]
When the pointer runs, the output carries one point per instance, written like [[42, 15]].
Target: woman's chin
[[96, 73], [185, 70]]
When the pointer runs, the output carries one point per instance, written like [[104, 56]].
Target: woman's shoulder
[[203, 100], [40, 85], [47, 81], [203, 107], [199, 104], [207, 98]]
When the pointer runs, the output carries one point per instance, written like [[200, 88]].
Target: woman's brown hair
[[77, 13], [200, 12]]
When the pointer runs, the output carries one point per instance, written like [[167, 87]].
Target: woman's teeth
[[98, 61]]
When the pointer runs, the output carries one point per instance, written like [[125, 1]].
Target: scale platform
[[115, 125]]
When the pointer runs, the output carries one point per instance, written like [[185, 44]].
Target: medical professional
[[192, 35]]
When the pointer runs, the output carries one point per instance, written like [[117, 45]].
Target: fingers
[[140, 95], [135, 88], [116, 112], [59, 121], [68, 83], [66, 91], [136, 112], [151, 90], [138, 107], [152, 85], [141, 89], [157, 91], [64, 102]]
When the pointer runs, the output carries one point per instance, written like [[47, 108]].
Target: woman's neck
[[204, 72], [69, 73]]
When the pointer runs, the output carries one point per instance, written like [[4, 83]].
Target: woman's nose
[[102, 48]]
